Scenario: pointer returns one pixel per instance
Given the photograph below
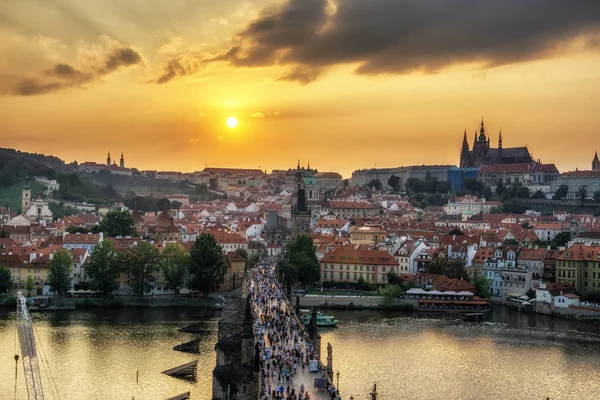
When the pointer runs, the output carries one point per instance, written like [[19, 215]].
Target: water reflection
[[96, 354], [514, 356]]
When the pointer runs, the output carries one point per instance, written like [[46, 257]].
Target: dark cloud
[[302, 75], [32, 87], [183, 65], [64, 76], [400, 36], [123, 57]]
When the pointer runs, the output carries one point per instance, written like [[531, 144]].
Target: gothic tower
[[122, 163], [465, 161], [500, 141], [108, 160], [480, 147], [596, 163], [25, 197]]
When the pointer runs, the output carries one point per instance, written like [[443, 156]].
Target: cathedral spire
[[465, 138], [482, 131], [596, 163], [500, 140], [298, 164], [108, 159], [122, 161]]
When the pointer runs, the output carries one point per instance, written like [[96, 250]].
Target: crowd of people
[[285, 349]]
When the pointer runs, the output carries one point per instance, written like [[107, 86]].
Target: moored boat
[[322, 320]]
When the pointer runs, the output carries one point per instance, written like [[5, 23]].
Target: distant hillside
[[10, 196], [16, 165], [101, 188]]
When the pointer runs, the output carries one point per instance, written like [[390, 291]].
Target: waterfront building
[[407, 255], [546, 291], [349, 265], [579, 265], [482, 154]]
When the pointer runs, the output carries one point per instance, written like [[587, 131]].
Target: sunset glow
[[232, 122], [293, 72]]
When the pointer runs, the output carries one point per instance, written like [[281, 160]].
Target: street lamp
[[337, 375]]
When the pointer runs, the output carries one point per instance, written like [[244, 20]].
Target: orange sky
[[158, 80]]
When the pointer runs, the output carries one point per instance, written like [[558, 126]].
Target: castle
[[482, 154]]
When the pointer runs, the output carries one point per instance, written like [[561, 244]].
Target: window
[[361, 267]]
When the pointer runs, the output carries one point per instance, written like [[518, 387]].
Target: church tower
[[26, 197], [596, 163], [500, 141], [465, 161], [108, 160], [122, 162]]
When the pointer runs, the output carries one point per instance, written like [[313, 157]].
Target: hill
[[10, 196], [96, 188]]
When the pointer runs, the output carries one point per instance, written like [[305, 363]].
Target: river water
[[96, 354]]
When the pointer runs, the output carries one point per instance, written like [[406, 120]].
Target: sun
[[232, 122]]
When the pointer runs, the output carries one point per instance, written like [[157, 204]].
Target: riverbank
[[336, 302], [56, 303]]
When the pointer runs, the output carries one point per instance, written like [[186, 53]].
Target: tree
[[207, 268], [473, 185], [525, 225], [413, 185], [174, 264], [141, 261], [375, 184], [513, 206], [500, 189], [345, 183], [561, 193], [394, 182], [288, 275], [242, 252], [29, 285], [451, 268], [61, 268], [4, 234], [302, 255], [597, 196], [393, 278], [76, 229], [391, 291], [163, 204], [6, 280], [539, 195], [482, 286], [116, 223], [176, 205], [495, 210], [582, 193], [103, 267], [212, 183]]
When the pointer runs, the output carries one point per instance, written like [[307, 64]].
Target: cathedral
[[482, 154]]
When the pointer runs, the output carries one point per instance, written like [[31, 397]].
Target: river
[[96, 354]]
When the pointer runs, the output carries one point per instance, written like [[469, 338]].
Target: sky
[[342, 84]]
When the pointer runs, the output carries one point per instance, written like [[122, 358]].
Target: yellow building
[[235, 271], [579, 265], [349, 265], [368, 234]]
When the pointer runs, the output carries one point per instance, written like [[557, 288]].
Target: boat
[[322, 320], [473, 317]]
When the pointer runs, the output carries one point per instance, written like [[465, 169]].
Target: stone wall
[[351, 301], [581, 313]]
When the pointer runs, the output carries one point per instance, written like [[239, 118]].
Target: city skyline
[[302, 79]]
